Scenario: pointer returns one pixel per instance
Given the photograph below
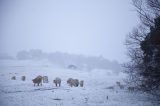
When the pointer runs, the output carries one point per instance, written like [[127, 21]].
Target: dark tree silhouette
[[143, 45]]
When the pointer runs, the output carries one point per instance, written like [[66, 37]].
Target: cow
[[131, 89], [81, 83], [13, 78], [45, 79], [23, 78], [69, 80], [73, 82], [57, 81], [37, 80], [76, 82], [120, 85]]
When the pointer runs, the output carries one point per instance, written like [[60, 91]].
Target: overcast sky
[[89, 27]]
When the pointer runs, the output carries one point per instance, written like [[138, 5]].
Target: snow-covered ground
[[94, 93]]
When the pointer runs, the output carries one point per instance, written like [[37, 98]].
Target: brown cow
[[73, 82], [37, 80]]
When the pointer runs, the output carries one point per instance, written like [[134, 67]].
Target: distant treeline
[[65, 59]]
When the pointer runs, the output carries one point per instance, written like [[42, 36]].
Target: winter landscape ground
[[97, 90]]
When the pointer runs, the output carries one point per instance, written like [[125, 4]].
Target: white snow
[[94, 92]]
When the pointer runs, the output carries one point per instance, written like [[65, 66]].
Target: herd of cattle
[[71, 82], [57, 81]]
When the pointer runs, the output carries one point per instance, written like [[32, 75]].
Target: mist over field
[[73, 52], [64, 60]]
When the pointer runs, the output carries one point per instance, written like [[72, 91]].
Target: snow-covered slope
[[94, 93]]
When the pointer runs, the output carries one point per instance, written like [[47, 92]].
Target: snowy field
[[94, 93]]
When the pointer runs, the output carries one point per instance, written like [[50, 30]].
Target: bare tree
[[143, 45]]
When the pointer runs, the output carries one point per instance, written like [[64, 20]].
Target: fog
[[78, 45], [87, 27]]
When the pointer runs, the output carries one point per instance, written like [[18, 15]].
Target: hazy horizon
[[87, 27]]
